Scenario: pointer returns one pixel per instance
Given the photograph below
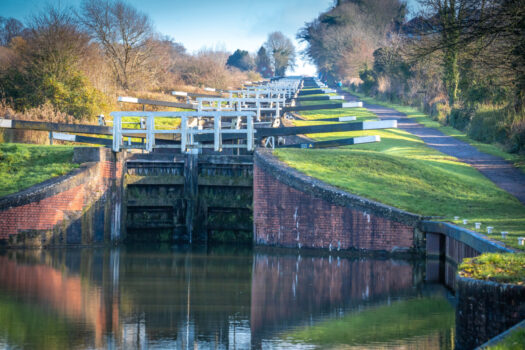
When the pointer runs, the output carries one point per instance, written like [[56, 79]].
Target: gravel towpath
[[496, 169]]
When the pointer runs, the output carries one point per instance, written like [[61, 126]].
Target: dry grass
[[43, 113]]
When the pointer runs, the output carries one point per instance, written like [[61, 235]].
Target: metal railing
[[191, 124]]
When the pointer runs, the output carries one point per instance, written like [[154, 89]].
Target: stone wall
[[82, 207], [294, 210], [485, 309]]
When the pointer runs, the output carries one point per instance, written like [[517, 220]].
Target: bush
[[488, 125], [459, 118], [75, 96], [441, 112], [516, 141], [369, 78]]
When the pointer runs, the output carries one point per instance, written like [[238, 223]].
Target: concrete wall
[[294, 210], [82, 207]]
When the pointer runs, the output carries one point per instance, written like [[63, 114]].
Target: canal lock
[[188, 199]]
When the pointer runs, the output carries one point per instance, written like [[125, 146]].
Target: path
[[496, 169]]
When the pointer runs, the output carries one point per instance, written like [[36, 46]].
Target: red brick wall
[[284, 216], [41, 215], [66, 202]]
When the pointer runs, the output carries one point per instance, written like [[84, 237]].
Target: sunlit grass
[[319, 102], [403, 172], [503, 268], [517, 159], [513, 341], [22, 166]]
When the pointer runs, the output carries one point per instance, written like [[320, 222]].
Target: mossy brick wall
[[485, 309], [294, 210], [81, 207]]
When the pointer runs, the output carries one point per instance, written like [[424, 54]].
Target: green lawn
[[502, 268], [302, 97], [319, 102], [513, 341], [22, 166], [399, 321], [517, 159], [403, 172]]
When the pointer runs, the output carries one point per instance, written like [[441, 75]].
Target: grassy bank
[[495, 149], [513, 341], [22, 166], [403, 172], [502, 268]]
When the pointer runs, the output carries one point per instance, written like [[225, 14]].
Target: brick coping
[[49, 187], [264, 159], [474, 282], [89, 157]]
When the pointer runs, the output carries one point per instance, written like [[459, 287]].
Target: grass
[[513, 341], [22, 166], [319, 102], [496, 267], [305, 97], [385, 324], [517, 159], [401, 171]]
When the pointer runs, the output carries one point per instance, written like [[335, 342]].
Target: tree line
[[462, 61], [77, 60]]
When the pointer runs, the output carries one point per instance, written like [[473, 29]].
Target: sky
[[215, 24]]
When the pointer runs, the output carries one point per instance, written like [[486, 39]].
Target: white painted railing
[[192, 123], [256, 105], [259, 93]]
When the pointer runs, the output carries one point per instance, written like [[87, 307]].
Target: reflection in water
[[171, 297]]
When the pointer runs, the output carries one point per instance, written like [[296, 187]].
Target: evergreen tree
[[241, 59], [263, 64]]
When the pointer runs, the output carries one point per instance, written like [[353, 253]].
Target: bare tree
[[487, 33], [9, 28], [282, 52], [123, 32], [55, 44], [341, 40]]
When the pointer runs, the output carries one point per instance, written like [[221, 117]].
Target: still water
[[168, 297]]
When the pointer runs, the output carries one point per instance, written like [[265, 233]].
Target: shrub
[[459, 118], [441, 112], [488, 125], [516, 141], [369, 78]]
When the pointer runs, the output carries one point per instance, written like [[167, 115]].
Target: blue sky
[[225, 24]]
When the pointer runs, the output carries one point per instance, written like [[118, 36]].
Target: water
[[217, 298]]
